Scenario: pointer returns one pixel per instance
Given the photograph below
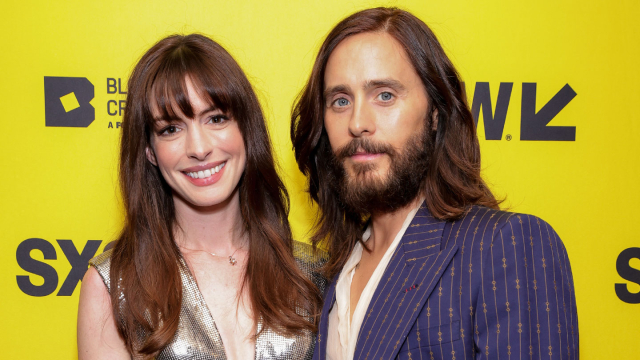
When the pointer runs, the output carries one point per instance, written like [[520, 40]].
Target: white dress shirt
[[343, 331]]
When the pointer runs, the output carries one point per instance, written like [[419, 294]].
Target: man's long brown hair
[[145, 264], [452, 182]]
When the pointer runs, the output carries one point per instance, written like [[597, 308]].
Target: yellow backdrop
[[60, 186]]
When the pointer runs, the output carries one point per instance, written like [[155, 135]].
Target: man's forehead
[[367, 58]]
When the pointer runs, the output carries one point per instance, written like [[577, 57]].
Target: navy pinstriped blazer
[[491, 285]]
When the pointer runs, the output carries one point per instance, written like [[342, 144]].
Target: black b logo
[[66, 101]]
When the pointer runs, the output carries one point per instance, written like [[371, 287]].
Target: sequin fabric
[[197, 337]]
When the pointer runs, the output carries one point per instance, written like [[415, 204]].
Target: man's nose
[[199, 146], [362, 121]]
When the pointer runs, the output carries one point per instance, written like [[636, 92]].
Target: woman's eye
[[218, 119], [385, 96], [169, 130], [341, 102]]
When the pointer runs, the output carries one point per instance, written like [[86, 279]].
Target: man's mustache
[[366, 145]]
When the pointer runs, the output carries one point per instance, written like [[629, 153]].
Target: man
[[424, 264]]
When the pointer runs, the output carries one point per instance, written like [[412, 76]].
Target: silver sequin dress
[[197, 336]]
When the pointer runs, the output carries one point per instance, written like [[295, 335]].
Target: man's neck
[[385, 227]]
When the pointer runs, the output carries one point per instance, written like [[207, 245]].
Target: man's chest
[[361, 276]]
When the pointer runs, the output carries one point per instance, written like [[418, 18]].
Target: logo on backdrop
[[79, 263], [66, 101], [628, 273], [67, 104], [533, 125]]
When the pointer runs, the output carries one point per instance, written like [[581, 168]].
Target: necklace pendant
[[232, 260]]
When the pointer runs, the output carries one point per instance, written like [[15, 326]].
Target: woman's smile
[[210, 174]]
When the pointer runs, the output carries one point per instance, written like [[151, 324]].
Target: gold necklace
[[232, 260]]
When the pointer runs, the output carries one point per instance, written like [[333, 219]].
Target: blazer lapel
[[414, 270], [320, 351]]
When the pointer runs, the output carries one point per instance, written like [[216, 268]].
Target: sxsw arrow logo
[[533, 125]]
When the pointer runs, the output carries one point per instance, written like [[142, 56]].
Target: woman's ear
[[434, 119], [151, 156]]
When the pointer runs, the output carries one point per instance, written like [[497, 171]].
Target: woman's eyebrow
[[174, 117], [209, 109]]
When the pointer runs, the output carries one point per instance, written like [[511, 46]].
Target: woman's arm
[[98, 337]]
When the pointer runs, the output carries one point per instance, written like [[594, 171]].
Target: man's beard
[[364, 192]]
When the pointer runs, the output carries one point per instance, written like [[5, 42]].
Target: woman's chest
[[211, 314], [229, 304]]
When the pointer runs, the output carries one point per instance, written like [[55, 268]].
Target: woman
[[205, 266]]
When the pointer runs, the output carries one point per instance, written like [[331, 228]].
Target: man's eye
[[385, 96], [341, 102]]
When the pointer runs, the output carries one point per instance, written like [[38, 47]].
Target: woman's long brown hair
[[145, 264], [452, 182]]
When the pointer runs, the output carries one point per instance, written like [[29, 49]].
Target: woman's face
[[201, 158]]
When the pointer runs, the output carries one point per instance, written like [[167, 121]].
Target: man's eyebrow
[[369, 84], [394, 84], [335, 89]]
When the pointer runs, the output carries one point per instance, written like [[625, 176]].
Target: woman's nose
[[198, 145]]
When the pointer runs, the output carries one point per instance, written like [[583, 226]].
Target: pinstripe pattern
[[492, 285]]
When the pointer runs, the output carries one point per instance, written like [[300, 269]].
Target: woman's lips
[[204, 175]]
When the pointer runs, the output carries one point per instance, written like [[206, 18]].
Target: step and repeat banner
[[555, 86]]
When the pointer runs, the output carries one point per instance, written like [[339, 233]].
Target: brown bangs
[[167, 89]]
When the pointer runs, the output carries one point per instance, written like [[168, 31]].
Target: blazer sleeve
[[526, 306]]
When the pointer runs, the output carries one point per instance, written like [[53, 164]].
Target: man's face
[[375, 112]]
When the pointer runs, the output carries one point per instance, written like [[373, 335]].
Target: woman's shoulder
[[305, 253], [311, 261], [102, 263]]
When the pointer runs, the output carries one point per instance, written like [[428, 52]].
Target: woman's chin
[[204, 203]]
